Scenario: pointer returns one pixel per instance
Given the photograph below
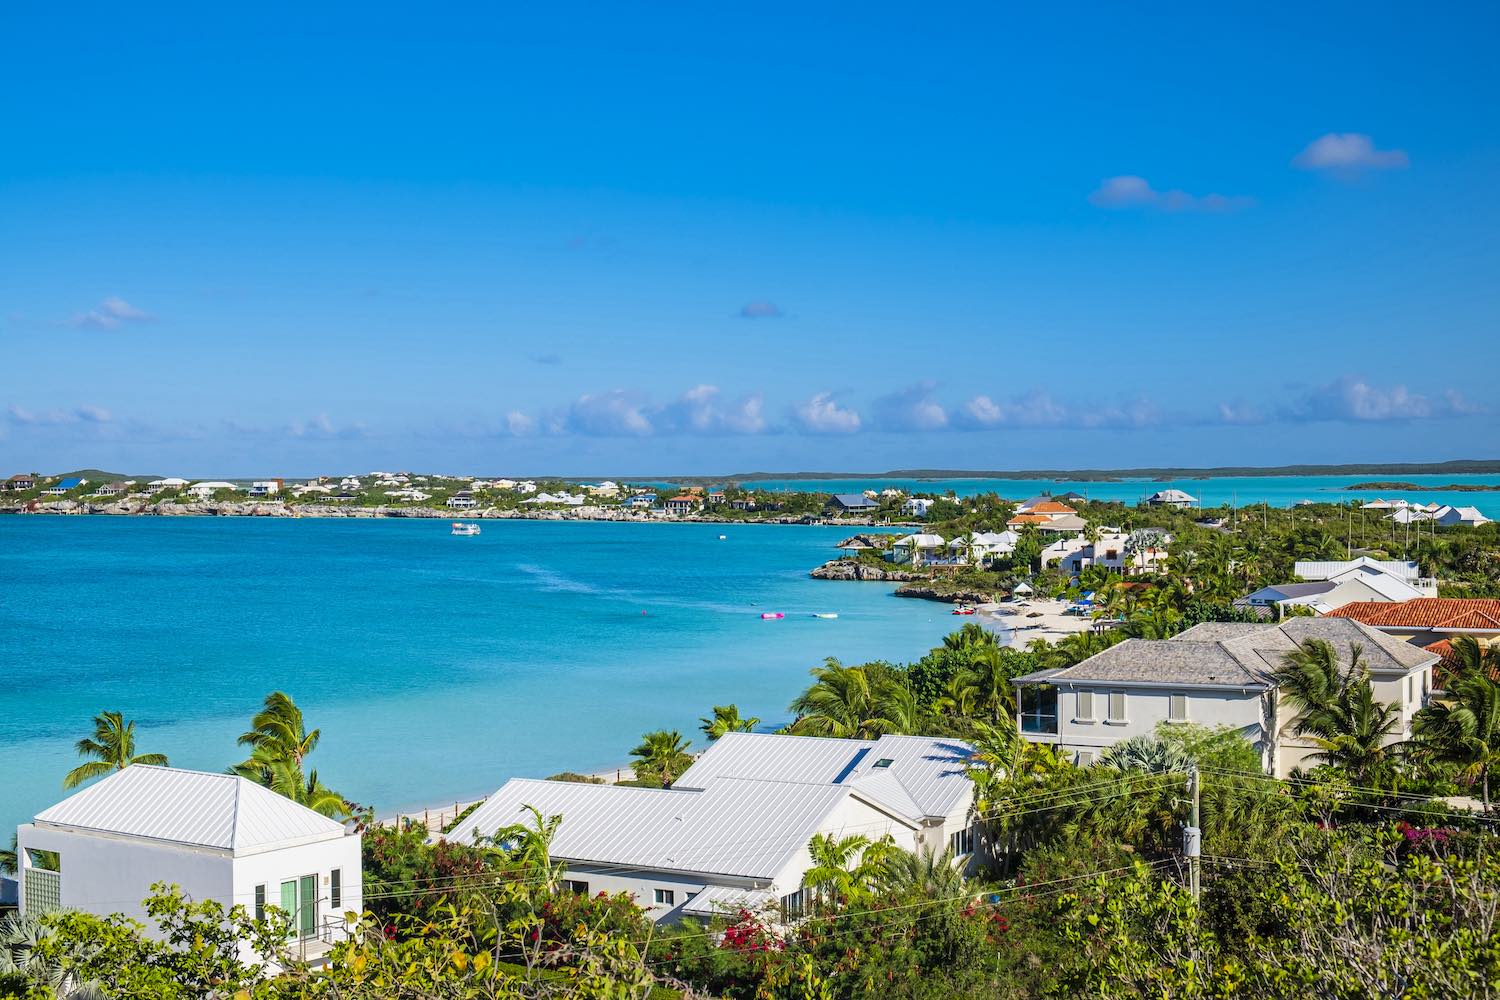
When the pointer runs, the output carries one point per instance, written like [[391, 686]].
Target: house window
[[336, 888], [1085, 706], [1177, 707], [961, 842], [1116, 707], [884, 762], [260, 902], [665, 897], [1085, 758], [795, 904], [573, 885]]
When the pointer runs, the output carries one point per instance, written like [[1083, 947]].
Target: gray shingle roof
[[1238, 654]]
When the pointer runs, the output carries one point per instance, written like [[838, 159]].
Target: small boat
[[963, 609], [460, 528], [771, 615], [825, 614], [722, 537]]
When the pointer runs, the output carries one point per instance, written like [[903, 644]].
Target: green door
[[307, 907], [289, 901]]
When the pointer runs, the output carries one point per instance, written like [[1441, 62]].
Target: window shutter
[[1177, 710], [1117, 706], [336, 888], [1085, 704]]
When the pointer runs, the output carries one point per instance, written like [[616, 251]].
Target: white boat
[[825, 614], [722, 537], [460, 528]]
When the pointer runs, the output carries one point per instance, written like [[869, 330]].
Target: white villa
[[264, 487], [982, 547], [1333, 585], [916, 507], [734, 831], [1171, 498], [1366, 569], [207, 489], [1469, 517], [917, 549], [462, 500], [217, 836], [1214, 674]]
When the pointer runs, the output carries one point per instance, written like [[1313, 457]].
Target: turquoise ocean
[[1278, 491], [436, 666]]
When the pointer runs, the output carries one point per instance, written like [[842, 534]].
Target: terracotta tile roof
[[1426, 612], [1448, 664], [1051, 507], [1029, 518]]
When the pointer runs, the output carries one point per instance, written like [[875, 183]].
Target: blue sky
[[688, 238]]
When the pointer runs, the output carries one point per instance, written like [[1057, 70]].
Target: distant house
[[21, 482], [1047, 514], [216, 836], [64, 485], [641, 501], [916, 507], [264, 487], [733, 832], [1213, 674], [980, 548], [462, 500], [850, 503], [170, 483], [1126, 552], [1468, 517], [207, 489], [112, 489], [918, 549], [682, 503], [1171, 498], [742, 503]]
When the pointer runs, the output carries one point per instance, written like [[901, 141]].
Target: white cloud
[[1349, 152], [609, 414], [1038, 409], [519, 424], [822, 415], [1130, 191], [760, 310], [110, 313], [321, 427], [701, 410], [911, 409], [1353, 398], [86, 414]]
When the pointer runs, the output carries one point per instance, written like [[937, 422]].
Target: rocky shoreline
[[913, 584], [214, 508]]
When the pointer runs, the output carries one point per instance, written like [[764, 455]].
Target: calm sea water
[[1278, 491], [436, 666]]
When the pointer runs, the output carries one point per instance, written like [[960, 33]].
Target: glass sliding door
[[299, 900]]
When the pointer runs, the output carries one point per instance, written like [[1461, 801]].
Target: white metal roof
[[716, 899], [928, 770], [1327, 569], [732, 827], [194, 808]]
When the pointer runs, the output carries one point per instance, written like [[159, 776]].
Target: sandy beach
[[1034, 619]]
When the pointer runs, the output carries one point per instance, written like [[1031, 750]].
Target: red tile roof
[[1051, 507], [1029, 518], [1460, 613]]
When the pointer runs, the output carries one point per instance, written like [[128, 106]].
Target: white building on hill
[[734, 831], [217, 836]]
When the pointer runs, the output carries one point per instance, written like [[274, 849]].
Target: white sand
[[1049, 623]]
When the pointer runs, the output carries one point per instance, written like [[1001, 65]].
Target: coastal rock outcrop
[[957, 595], [850, 569]]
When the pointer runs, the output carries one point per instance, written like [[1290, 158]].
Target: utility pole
[[1192, 835]]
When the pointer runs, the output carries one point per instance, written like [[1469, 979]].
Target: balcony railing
[[1039, 723]]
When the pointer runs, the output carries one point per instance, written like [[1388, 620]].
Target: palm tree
[[1465, 730], [959, 697], [10, 860], [1145, 753], [529, 848], [277, 731], [845, 868], [968, 637], [663, 756], [990, 680], [842, 702], [279, 746], [929, 874], [726, 719], [113, 746], [1336, 707]]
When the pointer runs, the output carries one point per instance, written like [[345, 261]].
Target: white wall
[[107, 875], [1145, 708]]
